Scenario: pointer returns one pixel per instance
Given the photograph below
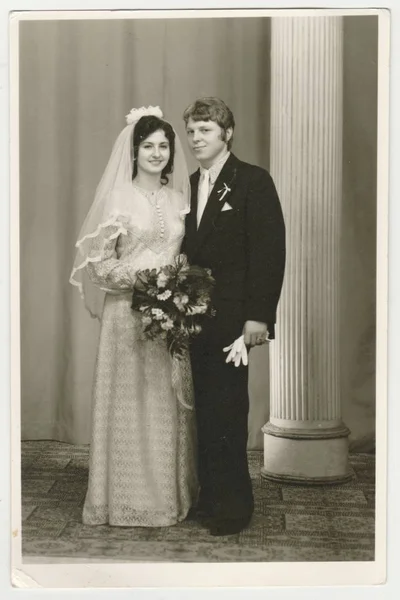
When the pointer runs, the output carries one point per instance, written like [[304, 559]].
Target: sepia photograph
[[199, 225]]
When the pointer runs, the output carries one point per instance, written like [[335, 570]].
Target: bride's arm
[[109, 272]]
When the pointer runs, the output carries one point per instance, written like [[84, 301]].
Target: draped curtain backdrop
[[78, 80]]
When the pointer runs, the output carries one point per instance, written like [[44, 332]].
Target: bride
[[142, 466]]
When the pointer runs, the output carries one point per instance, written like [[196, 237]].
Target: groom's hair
[[212, 109]]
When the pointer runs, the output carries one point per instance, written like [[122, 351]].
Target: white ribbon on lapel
[[225, 190]]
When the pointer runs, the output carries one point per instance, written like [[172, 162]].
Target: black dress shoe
[[220, 527], [204, 518], [203, 510]]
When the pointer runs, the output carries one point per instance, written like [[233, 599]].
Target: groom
[[235, 228]]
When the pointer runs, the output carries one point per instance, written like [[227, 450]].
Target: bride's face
[[153, 154]]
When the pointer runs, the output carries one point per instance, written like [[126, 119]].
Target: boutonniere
[[226, 189]]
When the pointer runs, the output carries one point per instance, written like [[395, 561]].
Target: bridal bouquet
[[173, 301]]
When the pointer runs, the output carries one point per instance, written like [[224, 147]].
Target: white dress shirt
[[209, 182]]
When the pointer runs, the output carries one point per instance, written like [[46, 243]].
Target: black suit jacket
[[244, 247]]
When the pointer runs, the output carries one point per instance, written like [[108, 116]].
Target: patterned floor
[[290, 523]]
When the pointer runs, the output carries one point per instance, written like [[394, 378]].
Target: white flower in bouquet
[[167, 324], [158, 313], [146, 321], [180, 301], [202, 308], [198, 309], [195, 328], [165, 295], [162, 280]]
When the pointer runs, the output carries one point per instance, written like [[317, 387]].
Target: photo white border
[[211, 574]]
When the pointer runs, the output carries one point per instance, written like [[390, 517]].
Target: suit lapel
[[214, 205]]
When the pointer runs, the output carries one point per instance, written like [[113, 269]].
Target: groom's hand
[[255, 333]]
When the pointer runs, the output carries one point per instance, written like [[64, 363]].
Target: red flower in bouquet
[[173, 301]]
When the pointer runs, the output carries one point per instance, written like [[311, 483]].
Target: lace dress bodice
[[153, 234]]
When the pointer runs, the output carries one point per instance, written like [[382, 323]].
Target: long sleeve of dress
[[109, 273]]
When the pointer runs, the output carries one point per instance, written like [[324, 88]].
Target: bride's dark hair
[[145, 127]]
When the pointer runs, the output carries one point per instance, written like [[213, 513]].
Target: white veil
[[109, 213]]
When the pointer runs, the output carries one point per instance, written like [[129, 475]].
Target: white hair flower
[[138, 113]]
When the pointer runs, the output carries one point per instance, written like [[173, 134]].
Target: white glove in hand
[[237, 352]]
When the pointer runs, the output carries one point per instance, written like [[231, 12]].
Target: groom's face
[[206, 140]]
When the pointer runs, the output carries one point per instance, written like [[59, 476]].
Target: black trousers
[[222, 407]]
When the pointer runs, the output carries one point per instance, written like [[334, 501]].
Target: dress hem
[[116, 523]]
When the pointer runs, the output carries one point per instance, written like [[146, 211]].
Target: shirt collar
[[216, 168]]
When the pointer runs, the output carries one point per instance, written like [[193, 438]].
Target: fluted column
[[305, 439]]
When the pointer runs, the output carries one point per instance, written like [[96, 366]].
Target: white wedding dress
[[142, 469]]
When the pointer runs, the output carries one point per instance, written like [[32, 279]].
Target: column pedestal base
[[306, 457]]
